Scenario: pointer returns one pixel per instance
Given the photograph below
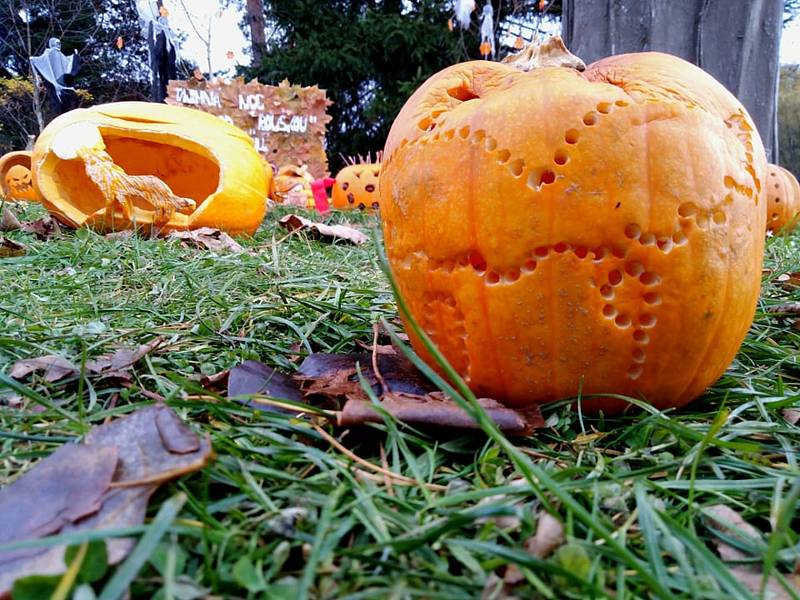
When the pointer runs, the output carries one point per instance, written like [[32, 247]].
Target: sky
[[226, 35]]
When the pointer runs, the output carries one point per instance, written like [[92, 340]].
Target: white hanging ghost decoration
[[464, 10], [487, 26]]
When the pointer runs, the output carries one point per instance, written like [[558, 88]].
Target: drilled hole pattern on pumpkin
[[444, 322], [629, 272]]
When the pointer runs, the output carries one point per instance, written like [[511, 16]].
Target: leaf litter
[[331, 381], [104, 483]]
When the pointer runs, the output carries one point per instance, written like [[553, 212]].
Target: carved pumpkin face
[[357, 187], [783, 200], [16, 178], [559, 232], [158, 165]]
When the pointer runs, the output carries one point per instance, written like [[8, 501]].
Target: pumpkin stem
[[552, 53]]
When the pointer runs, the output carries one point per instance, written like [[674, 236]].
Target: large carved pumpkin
[[207, 169], [560, 231], [16, 178], [783, 196], [357, 187]]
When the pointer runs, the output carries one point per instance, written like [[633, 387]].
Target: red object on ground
[[319, 190]]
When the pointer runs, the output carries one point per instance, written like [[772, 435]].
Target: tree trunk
[[258, 25], [736, 42]]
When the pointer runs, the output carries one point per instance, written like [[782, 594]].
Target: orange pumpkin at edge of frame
[[783, 200], [577, 252]]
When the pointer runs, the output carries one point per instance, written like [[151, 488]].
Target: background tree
[[737, 45], [93, 28], [370, 55], [257, 25], [789, 117]]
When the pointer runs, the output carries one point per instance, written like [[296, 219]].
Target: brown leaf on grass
[[378, 348], [44, 228], [253, 378], [208, 238], [119, 235], [751, 579], [335, 375], [328, 233], [549, 536], [332, 379], [218, 382], [115, 365], [10, 248], [72, 490], [785, 309], [730, 523], [55, 367], [9, 220], [437, 410], [65, 498], [792, 415], [118, 363]]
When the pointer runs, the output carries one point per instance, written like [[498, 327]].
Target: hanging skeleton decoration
[[58, 71], [487, 31], [161, 43], [464, 10]]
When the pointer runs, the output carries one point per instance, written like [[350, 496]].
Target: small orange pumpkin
[[16, 178], [357, 187], [783, 200], [159, 166], [560, 229]]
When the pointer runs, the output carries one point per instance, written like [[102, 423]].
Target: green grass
[[282, 514]]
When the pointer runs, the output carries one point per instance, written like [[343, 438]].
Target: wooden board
[[287, 122]]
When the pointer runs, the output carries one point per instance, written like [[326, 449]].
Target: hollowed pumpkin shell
[[16, 178], [357, 187], [199, 156], [783, 200], [561, 233]]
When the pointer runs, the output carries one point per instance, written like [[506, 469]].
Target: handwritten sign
[[287, 122]]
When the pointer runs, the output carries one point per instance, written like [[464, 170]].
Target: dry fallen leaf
[[792, 415], [44, 228], [115, 365], [8, 220], [119, 235], [10, 248], [55, 367], [255, 378], [436, 410], [206, 237], [72, 489], [66, 499], [786, 309], [335, 375], [118, 363], [332, 379], [549, 536], [731, 524], [324, 232]]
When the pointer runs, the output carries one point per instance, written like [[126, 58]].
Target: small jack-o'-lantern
[[783, 200], [357, 187], [15, 177], [133, 163]]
